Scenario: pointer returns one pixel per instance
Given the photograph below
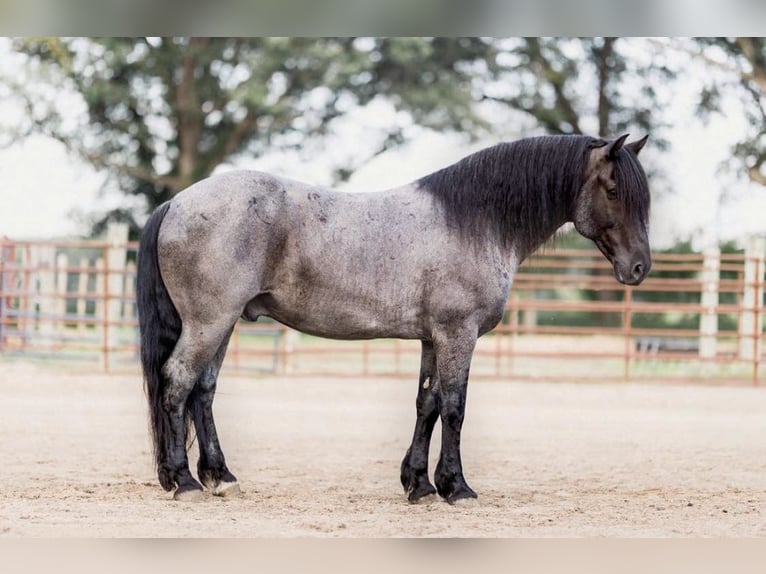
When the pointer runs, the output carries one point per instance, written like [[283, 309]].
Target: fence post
[[529, 319], [127, 305], [114, 264], [514, 334], [752, 298], [291, 341], [709, 300], [45, 291], [3, 298], [82, 295], [25, 304], [627, 327], [62, 262]]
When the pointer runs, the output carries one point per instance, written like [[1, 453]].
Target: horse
[[432, 261]]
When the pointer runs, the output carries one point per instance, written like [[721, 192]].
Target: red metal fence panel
[[698, 317]]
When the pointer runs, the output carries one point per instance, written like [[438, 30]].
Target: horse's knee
[[452, 403]]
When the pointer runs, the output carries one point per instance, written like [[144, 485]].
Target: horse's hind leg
[[211, 467], [414, 473], [191, 356]]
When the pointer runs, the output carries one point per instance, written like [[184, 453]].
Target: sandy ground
[[321, 458]]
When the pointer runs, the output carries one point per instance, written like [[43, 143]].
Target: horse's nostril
[[638, 270]]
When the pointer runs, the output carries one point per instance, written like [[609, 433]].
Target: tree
[[161, 113], [555, 79], [743, 61]]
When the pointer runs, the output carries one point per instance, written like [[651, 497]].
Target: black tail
[[160, 327]]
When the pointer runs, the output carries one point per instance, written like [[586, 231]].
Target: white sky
[[43, 189]]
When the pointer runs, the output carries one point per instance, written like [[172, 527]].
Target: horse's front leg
[[414, 473], [453, 360]]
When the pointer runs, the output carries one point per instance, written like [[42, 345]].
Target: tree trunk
[[604, 57], [190, 116]]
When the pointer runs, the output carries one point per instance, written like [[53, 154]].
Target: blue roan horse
[[432, 261]]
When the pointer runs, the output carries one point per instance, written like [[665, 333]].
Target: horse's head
[[612, 208]]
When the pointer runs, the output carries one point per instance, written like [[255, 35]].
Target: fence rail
[[698, 317]]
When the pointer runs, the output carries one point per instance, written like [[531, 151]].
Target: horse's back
[[336, 264], [227, 195]]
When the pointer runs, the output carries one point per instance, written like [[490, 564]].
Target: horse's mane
[[632, 186], [519, 191]]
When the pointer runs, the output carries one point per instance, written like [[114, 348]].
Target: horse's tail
[[160, 327]]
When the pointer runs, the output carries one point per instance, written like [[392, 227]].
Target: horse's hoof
[[467, 501], [227, 489], [189, 493], [421, 491], [463, 495], [453, 488], [416, 484], [423, 499]]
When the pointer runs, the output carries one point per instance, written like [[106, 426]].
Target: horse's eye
[[611, 193]]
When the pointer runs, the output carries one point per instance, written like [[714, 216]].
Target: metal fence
[[698, 317]]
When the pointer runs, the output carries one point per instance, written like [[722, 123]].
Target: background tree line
[[160, 113]]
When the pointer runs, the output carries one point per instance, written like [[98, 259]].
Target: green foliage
[[161, 113], [585, 85], [741, 66]]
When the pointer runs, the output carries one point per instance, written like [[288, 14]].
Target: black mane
[[520, 192], [632, 185]]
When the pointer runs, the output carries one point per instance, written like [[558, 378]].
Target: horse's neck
[[502, 204], [511, 253], [523, 254]]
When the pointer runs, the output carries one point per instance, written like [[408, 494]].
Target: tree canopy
[[743, 61], [161, 113], [585, 85]]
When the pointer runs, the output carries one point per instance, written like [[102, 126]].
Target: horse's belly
[[338, 316]]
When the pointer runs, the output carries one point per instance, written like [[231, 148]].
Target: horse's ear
[[613, 147], [637, 145]]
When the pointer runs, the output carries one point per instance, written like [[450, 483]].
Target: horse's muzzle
[[633, 273]]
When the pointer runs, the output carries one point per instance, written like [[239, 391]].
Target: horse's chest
[[489, 294], [492, 308]]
